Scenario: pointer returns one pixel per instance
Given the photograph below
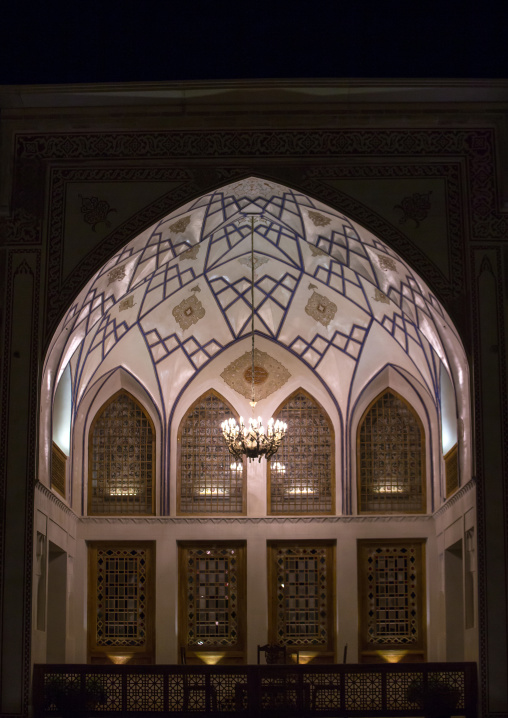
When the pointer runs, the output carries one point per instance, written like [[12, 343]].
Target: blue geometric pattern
[[300, 246]]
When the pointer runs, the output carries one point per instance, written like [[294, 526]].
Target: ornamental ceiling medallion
[[189, 312], [321, 309], [269, 374]]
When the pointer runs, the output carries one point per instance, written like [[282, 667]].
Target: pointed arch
[[391, 457], [121, 458], [210, 480], [301, 475]]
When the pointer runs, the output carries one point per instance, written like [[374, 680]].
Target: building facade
[[367, 222]]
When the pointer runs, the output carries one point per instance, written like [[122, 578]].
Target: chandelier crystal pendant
[[253, 440]]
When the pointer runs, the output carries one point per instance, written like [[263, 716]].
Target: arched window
[[210, 479], [390, 457], [301, 477], [121, 461]]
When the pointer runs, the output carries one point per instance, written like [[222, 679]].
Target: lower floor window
[[121, 579]]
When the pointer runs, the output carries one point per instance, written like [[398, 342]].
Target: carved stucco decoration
[[254, 187], [116, 274], [321, 309], [380, 296], [317, 219], [269, 375], [387, 263], [190, 253], [180, 225], [95, 211], [316, 252], [415, 207], [126, 303], [189, 312], [258, 261]]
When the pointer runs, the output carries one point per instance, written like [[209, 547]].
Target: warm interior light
[[306, 656], [124, 492], [212, 491], [236, 466], [119, 659], [392, 656], [389, 486], [278, 466], [296, 491], [211, 659]]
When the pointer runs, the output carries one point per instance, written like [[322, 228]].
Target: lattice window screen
[[391, 458], [121, 459], [58, 468], [301, 595], [121, 600], [213, 588], [211, 481], [301, 473], [391, 593]]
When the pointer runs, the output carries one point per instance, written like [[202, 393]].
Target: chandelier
[[253, 441]]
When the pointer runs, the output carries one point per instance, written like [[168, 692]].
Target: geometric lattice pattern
[[389, 575], [302, 608], [391, 461], [301, 473], [363, 691], [451, 461], [212, 595], [58, 464], [211, 479], [121, 462], [121, 596], [145, 692]]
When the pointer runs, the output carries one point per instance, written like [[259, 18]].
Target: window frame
[[423, 478], [190, 409], [97, 416], [331, 511]]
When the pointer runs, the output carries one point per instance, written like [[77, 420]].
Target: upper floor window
[[301, 473], [390, 457], [210, 479], [121, 460]]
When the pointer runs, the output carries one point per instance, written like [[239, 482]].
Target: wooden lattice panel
[[212, 595], [211, 480], [451, 460], [58, 468], [391, 458], [301, 473], [391, 588], [301, 595], [121, 459], [121, 616]]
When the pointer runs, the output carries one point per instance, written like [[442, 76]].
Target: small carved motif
[[188, 312], [95, 211], [180, 225], [254, 187], [258, 261], [116, 274], [190, 253], [415, 207], [387, 263], [126, 303], [380, 296], [321, 309], [269, 374], [316, 252], [196, 288], [312, 286], [318, 220]]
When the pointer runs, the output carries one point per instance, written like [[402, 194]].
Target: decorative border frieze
[[457, 496], [246, 521]]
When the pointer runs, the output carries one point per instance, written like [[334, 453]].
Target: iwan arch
[[359, 329]]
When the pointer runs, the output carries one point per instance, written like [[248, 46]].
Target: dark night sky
[[125, 40]]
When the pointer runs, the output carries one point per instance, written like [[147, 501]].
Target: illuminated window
[[301, 606], [301, 473], [390, 458], [212, 594], [121, 459], [121, 620], [391, 588], [211, 480]]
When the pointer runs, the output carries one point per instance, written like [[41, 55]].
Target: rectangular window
[[301, 598], [212, 601], [391, 592], [121, 600]]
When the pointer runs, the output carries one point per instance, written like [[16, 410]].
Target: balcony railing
[[249, 691]]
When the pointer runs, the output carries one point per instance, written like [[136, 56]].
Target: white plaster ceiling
[[326, 290]]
